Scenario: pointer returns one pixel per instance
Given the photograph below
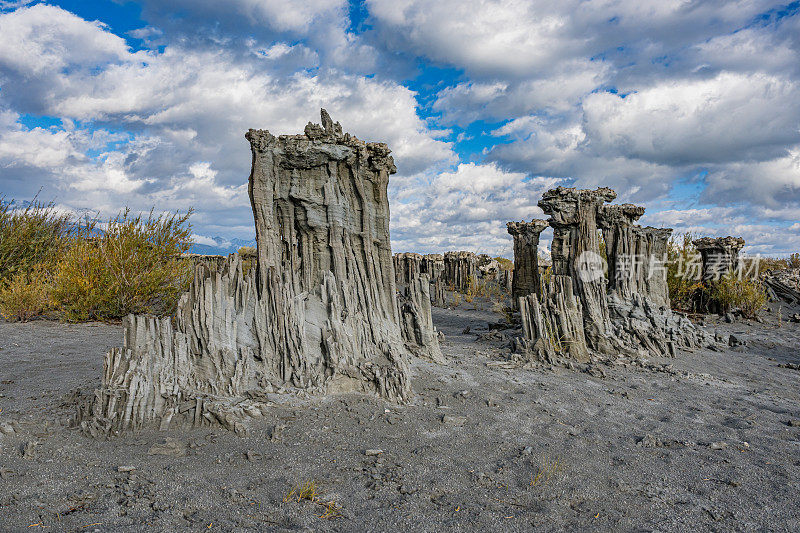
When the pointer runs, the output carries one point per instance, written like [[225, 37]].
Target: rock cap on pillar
[[532, 228], [561, 203], [734, 244]]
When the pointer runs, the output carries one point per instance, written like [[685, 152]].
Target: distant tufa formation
[[414, 298], [527, 278], [316, 312], [579, 316], [720, 256], [454, 271], [460, 269]]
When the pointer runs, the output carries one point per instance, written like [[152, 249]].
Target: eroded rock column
[[652, 244], [414, 298], [407, 266], [720, 256], [576, 255], [319, 312], [433, 266], [460, 269], [526, 279]]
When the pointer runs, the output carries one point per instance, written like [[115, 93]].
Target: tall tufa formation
[[526, 278], [720, 256], [317, 313], [407, 266], [433, 266], [636, 255], [578, 316], [576, 254]]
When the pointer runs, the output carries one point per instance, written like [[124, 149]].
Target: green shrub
[[33, 237], [684, 284], [746, 294], [132, 267]]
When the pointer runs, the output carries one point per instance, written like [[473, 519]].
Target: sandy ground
[[711, 443]]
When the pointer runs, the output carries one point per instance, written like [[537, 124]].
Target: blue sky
[[689, 108]]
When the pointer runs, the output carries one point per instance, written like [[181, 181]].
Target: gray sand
[[711, 442]]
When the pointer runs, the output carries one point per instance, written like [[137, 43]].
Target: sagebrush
[[748, 295], [53, 264], [26, 295], [683, 273], [134, 266], [32, 237]]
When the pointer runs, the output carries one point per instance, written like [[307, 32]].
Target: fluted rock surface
[[553, 324], [782, 285], [657, 330], [578, 316], [637, 256], [318, 312], [433, 266], [407, 267], [526, 279], [414, 298], [505, 279], [460, 269], [720, 256], [416, 320], [576, 253]]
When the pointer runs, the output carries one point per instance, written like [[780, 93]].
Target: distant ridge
[[221, 246]]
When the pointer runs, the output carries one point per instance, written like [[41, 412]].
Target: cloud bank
[[689, 108]]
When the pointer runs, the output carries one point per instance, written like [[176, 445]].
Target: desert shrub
[[248, 255], [132, 267], [475, 288], [746, 294], [779, 263], [603, 250], [456, 299], [547, 276], [26, 295], [505, 263], [772, 263], [506, 312], [683, 272], [30, 238]]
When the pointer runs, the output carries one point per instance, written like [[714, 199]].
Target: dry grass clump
[[306, 490], [50, 264], [309, 491], [506, 312], [547, 275], [249, 255], [472, 289], [547, 470]]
